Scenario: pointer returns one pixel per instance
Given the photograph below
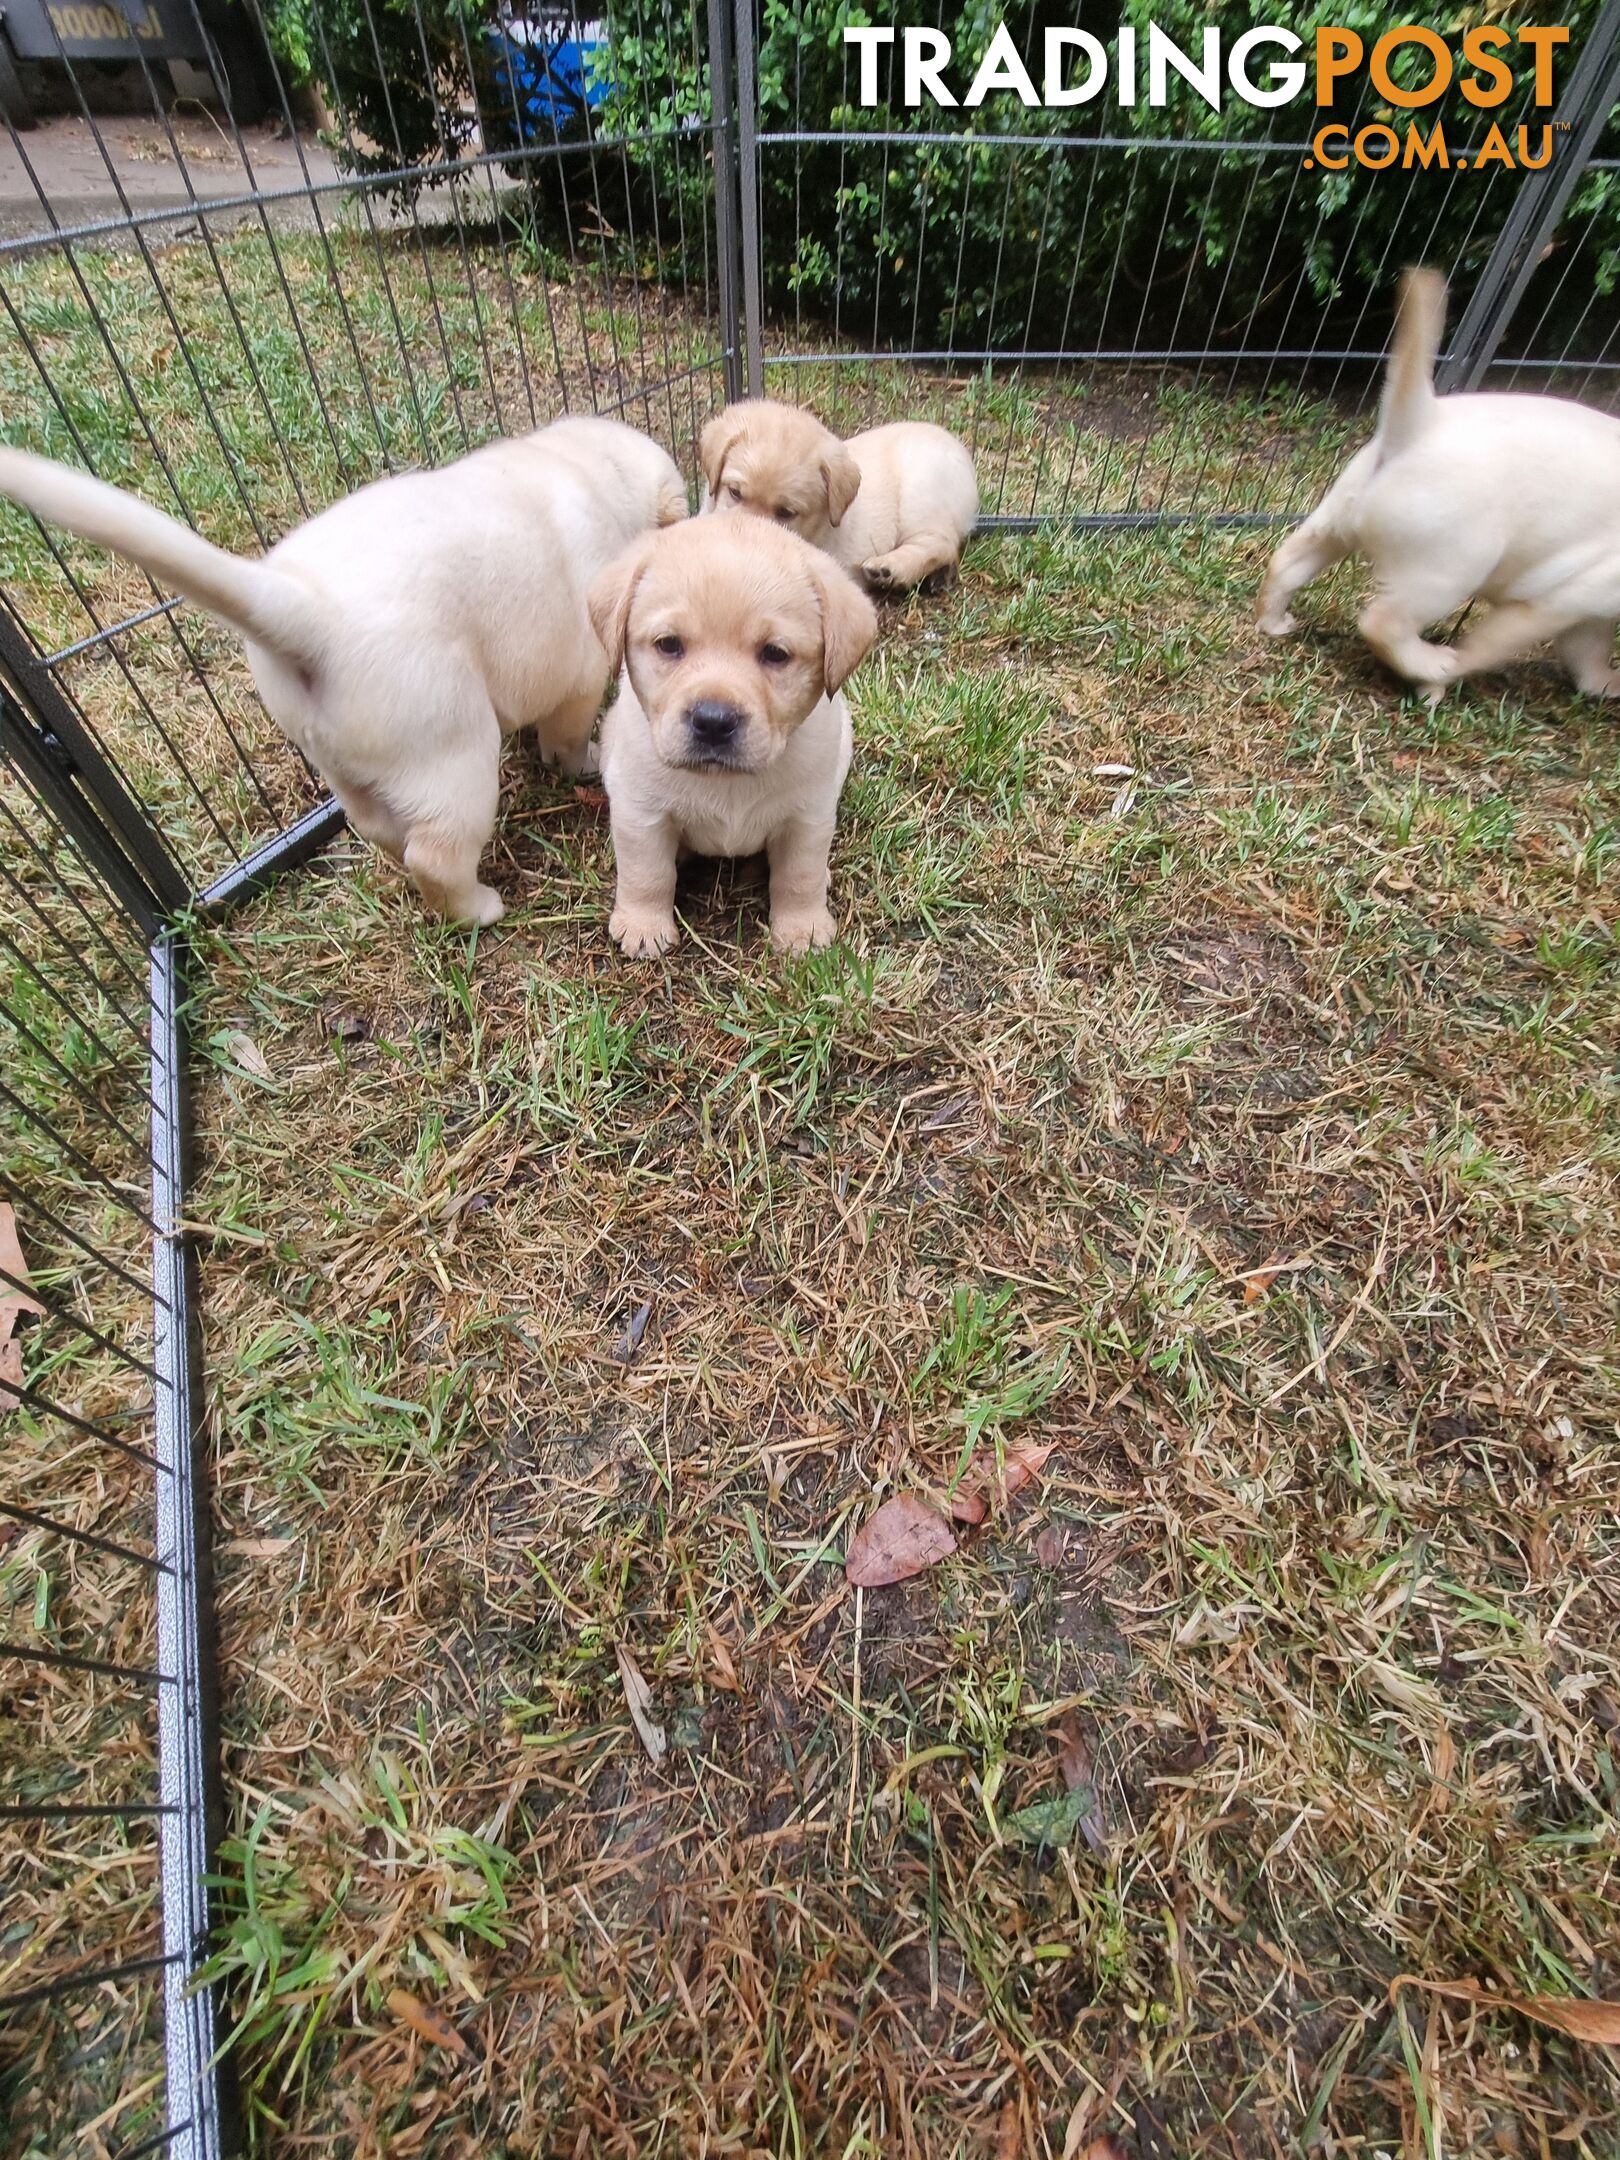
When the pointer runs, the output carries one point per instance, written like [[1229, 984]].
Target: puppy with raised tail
[[400, 635], [893, 505], [728, 734], [1508, 498]]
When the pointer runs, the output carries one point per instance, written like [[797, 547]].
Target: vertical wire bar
[[92, 613], [368, 210], [748, 184], [495, 221], [411, 193], [731, 234], [196, 2104], [268, 228], [455, 212]]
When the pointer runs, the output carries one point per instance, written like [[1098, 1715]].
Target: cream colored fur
[[894, 505], [1508, 498], [728, 734], [400, 635]]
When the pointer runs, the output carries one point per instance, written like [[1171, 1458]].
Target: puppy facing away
[[400, 635], [894, 505], [1508, 498], [728, 734]]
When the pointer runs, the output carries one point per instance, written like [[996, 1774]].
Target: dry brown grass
[[1245, 1129]]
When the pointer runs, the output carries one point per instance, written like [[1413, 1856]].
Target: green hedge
[[959, 247]]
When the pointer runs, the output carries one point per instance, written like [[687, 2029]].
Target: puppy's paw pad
[[642, 937], [802, 933], [877, 577]]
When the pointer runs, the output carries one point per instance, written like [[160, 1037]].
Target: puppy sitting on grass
[[728, 734], [1507, 498], [894, 505]]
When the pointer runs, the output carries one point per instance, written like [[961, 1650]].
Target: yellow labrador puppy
[[1508, 498], [894, 505], [728, 734], [401, 634]]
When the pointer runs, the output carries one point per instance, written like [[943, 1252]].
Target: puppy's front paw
[[877, 577], [800, 933], [642, 937], [1276, 624], [487, 906]]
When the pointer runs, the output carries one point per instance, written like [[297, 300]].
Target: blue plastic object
[[548, 73]]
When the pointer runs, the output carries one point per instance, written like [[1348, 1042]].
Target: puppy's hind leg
[[1304, 555], [1587, 651], [1515, 627], [924, 555], [1396, 636], [452, 831], [565, 734]]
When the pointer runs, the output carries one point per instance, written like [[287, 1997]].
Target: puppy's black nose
[[713, 725]]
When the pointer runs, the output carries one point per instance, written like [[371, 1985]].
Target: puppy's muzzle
[[714, 731]]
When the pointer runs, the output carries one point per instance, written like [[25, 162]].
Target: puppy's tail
[[1409, 397], [260, 602]]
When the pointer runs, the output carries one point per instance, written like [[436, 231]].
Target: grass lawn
[[1215, 1085]]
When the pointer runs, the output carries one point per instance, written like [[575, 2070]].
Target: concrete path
[[69, 166]]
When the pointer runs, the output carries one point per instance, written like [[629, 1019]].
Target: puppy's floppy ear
[[849, 623], [612, 590], [717, 442], [843, 478]]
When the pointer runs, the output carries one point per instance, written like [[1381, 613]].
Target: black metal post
[[723, 142]]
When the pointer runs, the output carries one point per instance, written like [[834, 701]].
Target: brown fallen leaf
[[11, 1374], [905, 1536], [1575, 2015], [639, 1697], [1051, 1546], [1102, 2147], [14, 1302], [591, 798], [1079, 1775], [986, 1483], [1256, 1285], [1009, 2133], [722, 1671], [426, 2022], [245, 1052]]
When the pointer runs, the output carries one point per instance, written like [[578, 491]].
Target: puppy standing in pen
[[399, 636], [1508, 498], [893, 505], [728, 734]]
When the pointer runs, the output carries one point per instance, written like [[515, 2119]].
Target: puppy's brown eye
[[774, 656], [783, 515], [734, 492], [670, 647]]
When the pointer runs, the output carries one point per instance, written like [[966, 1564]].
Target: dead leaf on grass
[[639, 1697], [986, 1483], [426, 2022], [245, 1052], [591, 798], [1051, 1546], [905, 1536], [721, 1669], [1256, 1285], [1577, 2016], [1009, 2133], [1079, 1774], [630, 1341], [14, 1302]]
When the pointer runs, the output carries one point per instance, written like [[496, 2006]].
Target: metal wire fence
[[489, 258]]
